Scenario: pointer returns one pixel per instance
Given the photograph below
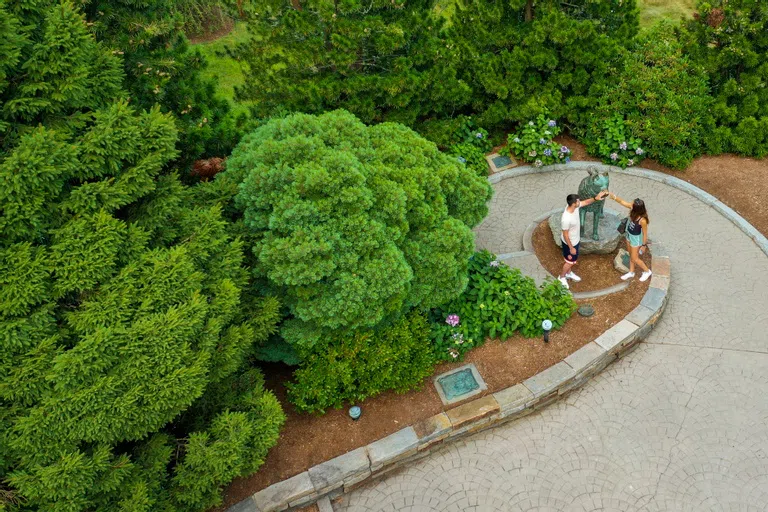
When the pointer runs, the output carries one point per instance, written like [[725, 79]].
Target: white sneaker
[[628, 275], [645, 275], [571, 275], [564, 282]]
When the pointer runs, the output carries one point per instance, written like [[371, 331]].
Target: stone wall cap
[[586, 356], [474, 410], [550, 379], [621, 333], [333, 472], [392, 446], [277, 496]]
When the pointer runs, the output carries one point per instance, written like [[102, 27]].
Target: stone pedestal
[[609, 237], [621, 261]]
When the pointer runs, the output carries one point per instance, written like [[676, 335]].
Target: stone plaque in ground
[[609, 237], [502, 161], [459, 384]]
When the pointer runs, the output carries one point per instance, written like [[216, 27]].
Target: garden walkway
[[679, 424]]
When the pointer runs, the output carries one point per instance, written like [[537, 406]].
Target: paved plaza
[[680, 424]]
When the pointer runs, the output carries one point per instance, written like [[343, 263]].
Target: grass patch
[[652, 11], [226, 71]]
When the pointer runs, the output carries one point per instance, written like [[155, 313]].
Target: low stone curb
[[332, 478]]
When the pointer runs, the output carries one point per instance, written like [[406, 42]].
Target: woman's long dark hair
[[638, 211]]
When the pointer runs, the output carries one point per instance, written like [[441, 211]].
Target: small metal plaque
[[502, 161], [459, 384]]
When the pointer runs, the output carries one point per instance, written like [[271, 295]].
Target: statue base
[[606, 230]]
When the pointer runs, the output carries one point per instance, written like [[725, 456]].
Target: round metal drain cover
[[586, 310]]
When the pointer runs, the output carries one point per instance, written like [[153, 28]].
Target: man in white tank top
[[570, 224]]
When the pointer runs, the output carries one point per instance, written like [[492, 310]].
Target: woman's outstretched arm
[[620, 201]]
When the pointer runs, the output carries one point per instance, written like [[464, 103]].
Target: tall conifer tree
[[122, 310]]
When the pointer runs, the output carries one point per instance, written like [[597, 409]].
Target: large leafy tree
[[352, 224], [382, 60], [730, 39], [125, 313]]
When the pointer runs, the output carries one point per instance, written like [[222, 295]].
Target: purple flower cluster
[[548, 152], [614, 156], [552, 123], [494, 263], [452, 320], [623, 146], [567, 159], [639, 151], [479, 135], [564, 149], [542, 141]]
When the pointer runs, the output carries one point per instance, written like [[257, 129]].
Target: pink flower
[[452, 320]]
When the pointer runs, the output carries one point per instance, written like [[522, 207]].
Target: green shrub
[[533, 143], [614, 144], [471, 156], [471, 134], [498, 302], [351, 368], [352, 225], [235, 444], [728, 38], [662, 97]]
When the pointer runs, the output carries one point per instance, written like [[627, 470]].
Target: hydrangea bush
[[470, 133], [533, 143], [471, 156], [497, 302], [615, 145]]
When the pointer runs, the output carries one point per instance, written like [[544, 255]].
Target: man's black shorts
[[570, 258]]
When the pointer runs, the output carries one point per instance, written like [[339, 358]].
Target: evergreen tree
[[381, 60], [161, 68], [351, 224], [122, 304], [522, 58], [729, 38]]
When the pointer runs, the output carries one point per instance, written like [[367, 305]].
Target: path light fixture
[[355, 412], [547, 326]]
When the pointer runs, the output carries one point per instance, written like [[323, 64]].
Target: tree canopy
[[124, 301], [353, 224]]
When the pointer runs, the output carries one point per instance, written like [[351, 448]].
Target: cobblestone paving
[[680, 424]]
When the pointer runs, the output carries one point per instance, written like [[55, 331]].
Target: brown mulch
[[596, 270], [207, 37], [307, 439]]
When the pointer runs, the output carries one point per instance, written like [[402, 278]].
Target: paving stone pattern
[[679, 424]]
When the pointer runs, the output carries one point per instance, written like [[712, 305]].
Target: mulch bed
[[307, 439], [596, 270]]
